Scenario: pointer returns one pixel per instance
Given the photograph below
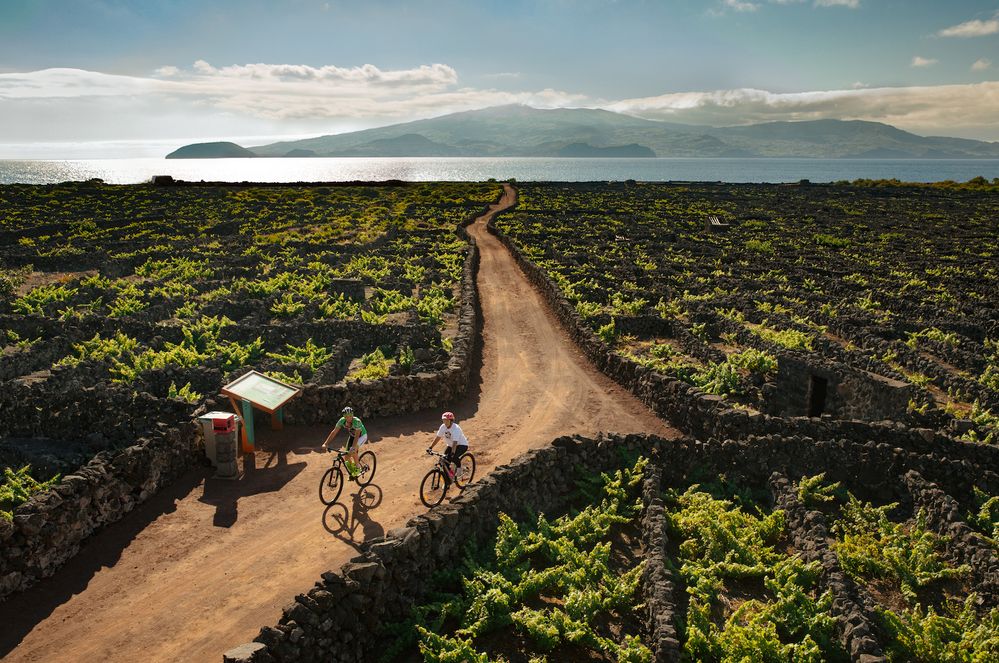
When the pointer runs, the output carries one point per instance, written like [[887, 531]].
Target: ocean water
[[132, 171]]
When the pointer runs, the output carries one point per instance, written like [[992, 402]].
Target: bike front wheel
[[466, 471], [367, 463], [432, 488], [331, 485]]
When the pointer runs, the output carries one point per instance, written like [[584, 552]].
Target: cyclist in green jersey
[[357, 435]]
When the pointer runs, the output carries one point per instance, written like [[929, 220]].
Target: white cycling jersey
[[453, 436]]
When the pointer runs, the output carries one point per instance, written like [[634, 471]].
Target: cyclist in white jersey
[[455, 442]]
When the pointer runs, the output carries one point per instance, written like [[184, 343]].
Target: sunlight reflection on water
[[131, 171]]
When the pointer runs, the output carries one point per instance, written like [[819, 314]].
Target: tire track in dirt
[[203, 565]]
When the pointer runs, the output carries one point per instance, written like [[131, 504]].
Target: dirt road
[[202, 566]]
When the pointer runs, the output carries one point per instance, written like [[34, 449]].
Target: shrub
[[406, 359], [310, 354], [755, 361], [608, 333], [814, 491], [433, 304], [760, 246], [338, 308], [788, 338], [871, 546], [960, 634], [18, 487], [287, 306], [185, 393], [37, 299], [374, 366], [831, 240]]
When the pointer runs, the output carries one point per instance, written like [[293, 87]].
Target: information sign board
[[262, 391]]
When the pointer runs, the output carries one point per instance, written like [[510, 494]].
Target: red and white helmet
[[447, 416]]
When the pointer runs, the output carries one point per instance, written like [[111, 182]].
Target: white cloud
[[852, 4], [942, 110], [741, 5], [976, 28], [918, 61], [981, 64]]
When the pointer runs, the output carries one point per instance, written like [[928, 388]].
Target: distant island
[[522, 131], [220, 150]]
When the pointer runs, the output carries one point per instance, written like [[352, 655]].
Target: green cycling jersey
[[356, 429]]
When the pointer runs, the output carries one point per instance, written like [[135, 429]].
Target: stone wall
[[846, 393], [48, 530], [963, 545], [340, 618], [658, 586]]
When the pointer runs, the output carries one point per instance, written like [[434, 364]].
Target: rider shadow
[[273, 473], [343, 523]]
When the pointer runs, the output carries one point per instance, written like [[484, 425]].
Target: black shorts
[[352, 441], [455, 454]]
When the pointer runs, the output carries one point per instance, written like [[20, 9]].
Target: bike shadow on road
[[21, 612], [343, 522], [265, 470]]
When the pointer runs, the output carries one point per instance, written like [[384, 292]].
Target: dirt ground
[[203, 565]]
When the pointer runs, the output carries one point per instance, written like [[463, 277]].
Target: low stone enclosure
[[340, 619], [139, 454]]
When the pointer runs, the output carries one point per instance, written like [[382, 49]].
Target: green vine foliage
[[815, 491], [871, 546], [374, 365], [959, 636], [985, 518], [566, 560], [721, 544], [185, 393], [200, 343], [310, 354], [17, 488]]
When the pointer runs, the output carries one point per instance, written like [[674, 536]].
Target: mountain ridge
[[523, 131]]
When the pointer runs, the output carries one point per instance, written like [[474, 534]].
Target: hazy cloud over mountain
[[929, 110], [123, 70]]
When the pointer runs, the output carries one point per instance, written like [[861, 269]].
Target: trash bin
[[220, 441]]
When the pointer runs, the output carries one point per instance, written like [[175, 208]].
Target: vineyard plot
[[859, 301], [553, 589]]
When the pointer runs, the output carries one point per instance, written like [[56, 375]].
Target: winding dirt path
[[203, 565]]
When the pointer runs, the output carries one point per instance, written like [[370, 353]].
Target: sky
[[124, 78]]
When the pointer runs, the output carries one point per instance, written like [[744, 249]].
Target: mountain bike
[[434, 486], [332, 482]]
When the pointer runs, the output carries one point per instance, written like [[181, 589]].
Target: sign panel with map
[[262, 391]]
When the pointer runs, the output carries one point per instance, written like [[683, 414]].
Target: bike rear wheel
[[433, 487], [368, 463], [466, 471], [331, 485]]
